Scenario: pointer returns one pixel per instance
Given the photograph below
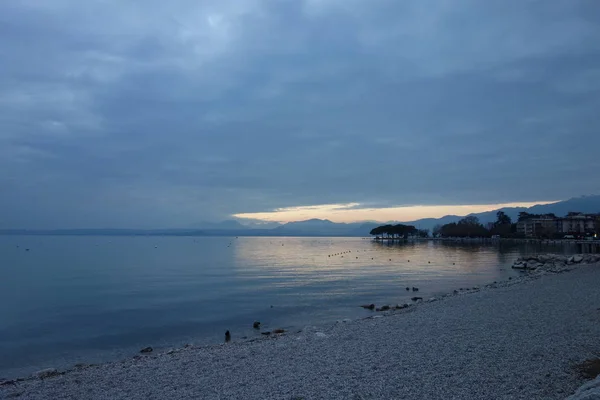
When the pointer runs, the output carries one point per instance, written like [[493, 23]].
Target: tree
[[524, 216], [470, 220], [466, 227], [437, 230], [393, 231], [502, 219]]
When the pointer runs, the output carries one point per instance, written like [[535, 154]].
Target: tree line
[[398, 231], [466, 227], [471, 227]]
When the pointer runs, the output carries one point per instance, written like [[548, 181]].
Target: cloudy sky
[[150, 113]]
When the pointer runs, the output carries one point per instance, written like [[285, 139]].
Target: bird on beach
[[227, 336]]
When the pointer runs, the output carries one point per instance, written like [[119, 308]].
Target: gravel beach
[[519, 340]]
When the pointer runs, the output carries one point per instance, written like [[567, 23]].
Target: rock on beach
[[553, 262]]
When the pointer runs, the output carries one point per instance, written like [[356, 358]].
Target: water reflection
[[336, 265], [69, 295]]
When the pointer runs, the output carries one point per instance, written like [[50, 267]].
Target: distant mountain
[[313, 227], [585, 204], [104, 232], [429, 223], [261, 224], [320, 227], [229, 224]]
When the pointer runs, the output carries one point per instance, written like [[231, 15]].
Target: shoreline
[[329, 338]]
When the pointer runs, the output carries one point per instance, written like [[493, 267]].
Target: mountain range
[[322, 227]]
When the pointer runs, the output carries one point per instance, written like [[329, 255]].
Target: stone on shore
[[552, 263], [47, 373], [588, 391], [146, 350]]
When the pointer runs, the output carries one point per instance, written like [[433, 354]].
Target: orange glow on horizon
[[351, 212]]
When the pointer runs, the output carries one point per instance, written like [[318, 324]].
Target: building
[[577, 223], [537, 226]]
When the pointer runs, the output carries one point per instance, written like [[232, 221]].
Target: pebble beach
[[519, 339]]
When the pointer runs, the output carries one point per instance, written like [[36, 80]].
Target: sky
[[353, 212], [118, 113]]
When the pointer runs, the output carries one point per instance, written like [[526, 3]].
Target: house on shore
[[577, 223], [537, 226], [549, 225]]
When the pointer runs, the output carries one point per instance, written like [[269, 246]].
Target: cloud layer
[[147, 114]]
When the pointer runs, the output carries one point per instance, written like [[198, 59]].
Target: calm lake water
[[90, 299]]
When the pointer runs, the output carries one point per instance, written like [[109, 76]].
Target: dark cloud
[[153, 114]]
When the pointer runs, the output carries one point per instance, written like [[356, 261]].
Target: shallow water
[[91, 299]]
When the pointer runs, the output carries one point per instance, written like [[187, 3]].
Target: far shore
[[518, 339]]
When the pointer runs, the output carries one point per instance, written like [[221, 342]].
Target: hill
[[322, 227]]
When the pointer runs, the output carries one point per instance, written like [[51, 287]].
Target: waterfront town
[[574, 225]]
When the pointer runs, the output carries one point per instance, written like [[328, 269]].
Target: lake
[[90, 299]]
